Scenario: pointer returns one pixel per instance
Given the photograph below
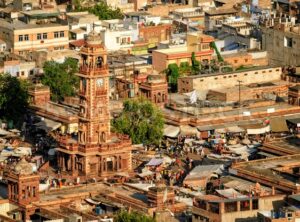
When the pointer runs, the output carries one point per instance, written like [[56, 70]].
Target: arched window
[[102, 137], [82, 137], [84, 60], [99, 62]]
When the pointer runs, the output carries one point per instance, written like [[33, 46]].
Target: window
[[118, 39], [62, 34], [45, 36], [245, 74], [288, 42], [39, 36], [235, 76], [26, 37], [255, 204], [256, 73], [21, 38], [245, 205], [235, 61], [263, 71], [246, 60], [56, 35]]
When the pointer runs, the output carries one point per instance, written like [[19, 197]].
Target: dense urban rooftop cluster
[[141, 110]]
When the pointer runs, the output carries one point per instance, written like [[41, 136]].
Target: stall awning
[[295, 121], [155, 162], [234, 129], [268, 155], [188, 131], [89, 200], [48, 125], [222, 130], [171, 131], [4, 132], [258, 130], [278, 124], [230, 193]]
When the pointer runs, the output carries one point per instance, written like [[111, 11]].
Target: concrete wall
[[273, 41], [5, 207], [207, 82], [159, 61]]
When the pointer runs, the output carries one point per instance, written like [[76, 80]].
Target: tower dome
[[23, 167], [93, 38]]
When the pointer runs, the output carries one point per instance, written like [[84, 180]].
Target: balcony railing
[[89, 69], [101, 92]]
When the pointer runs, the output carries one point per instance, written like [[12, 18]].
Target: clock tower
[[94, 124], [97, 151]]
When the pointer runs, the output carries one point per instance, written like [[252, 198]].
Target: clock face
[[100, 82]]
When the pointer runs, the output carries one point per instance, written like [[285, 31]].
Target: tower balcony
[[85, 69], [68, 143], [101, 92]]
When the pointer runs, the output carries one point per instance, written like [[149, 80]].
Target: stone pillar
[[9, 192], [250, 204], [73, 163], [238, 206], [69, 163], [63, 163], [221, 208], [104, 165], [207, 206], [117, 163], [101, 165]]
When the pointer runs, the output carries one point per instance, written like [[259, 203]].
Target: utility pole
[[239, 81]]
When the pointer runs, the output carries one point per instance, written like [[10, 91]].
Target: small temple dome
[[93, 38], [23, 167]]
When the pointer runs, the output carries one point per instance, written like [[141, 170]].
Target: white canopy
[[171, 131], [235, 129], [187, 130], [4, 132], [258, 130], [48, 125], [230, 193]]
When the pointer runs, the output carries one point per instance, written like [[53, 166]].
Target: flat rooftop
[[18, 25], [228, 73], [276, 171], [289, 145], [180, 49], [252, 86]]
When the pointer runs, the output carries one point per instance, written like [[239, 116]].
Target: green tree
[[173, 75], [101, 9], [214, 46], [196, 67], [61, 78], [141, 120], [184, 68], [125, 216], [13, 98]]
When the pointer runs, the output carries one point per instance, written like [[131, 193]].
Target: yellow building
[[196, 42], [22, 37]]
